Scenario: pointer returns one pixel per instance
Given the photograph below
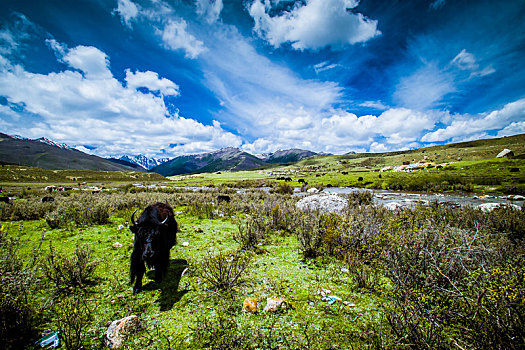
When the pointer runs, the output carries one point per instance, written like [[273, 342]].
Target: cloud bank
[[85, 105], [313, 25]]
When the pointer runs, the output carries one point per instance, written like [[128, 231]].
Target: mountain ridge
[[47, 154]]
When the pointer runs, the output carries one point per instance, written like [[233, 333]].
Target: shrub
[[283, 188], [70, 273], [310, 233], [18, 281], [251, 232], [73, 317], [454, 287], [224, 271]]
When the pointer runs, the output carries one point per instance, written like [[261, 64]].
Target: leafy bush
[[310, 233], [70, 273], [454, 287], [27, 209], [283, 188], [18, 281], [251, 232], [78, 213], [224, 271], [73, 316]]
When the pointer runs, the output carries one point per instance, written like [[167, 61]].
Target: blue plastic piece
[[52, 340]]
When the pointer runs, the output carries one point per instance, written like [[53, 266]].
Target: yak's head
[[147, 235]]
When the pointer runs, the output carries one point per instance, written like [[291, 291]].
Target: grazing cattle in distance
[[47, 199], [345, 173], [301, 180], [155, 234], [4, 200], [288, 179], [223, 198]]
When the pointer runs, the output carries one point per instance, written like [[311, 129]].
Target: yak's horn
[[133, 218]]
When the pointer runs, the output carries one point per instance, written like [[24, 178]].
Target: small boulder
[[322, 202], [117, 245], [487, 207], [313, 190], [393, 205], [505, 153], [119, 330], [249, 305], [275, 305]]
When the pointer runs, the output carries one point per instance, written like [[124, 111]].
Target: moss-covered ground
[[172, 310]]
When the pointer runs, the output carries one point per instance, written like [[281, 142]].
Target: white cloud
[[152, 82], [423, 89], [513, 129], [127, 10], [175, 36], [209, 9], [171, 29], [324, 66], [97, 110], [507, 118], [374, 104], [257, 94], [467, 61], [376, 147], [314, 24], [90, 60], [343, 131]]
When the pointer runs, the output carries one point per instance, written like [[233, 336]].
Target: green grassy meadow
[[358, 255], [423, 278]]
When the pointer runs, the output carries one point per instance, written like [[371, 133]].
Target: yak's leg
[[162, 268], [139, 269]]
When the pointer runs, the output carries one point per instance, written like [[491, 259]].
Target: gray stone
[[275, 304], [119, 330], [393, 205], [486, 207], [505, 153], [322, 202]]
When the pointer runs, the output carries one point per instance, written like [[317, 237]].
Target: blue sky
[[172, 77]]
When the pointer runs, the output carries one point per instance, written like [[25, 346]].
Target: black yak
[[155, 234], [223, 198]]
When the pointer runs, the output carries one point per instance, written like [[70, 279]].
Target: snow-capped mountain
[[143, 161], [44, 140]]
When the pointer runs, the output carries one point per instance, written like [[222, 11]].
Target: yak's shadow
[[169, 287]]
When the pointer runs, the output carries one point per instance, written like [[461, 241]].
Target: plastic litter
[[331, 299], [52, 340]]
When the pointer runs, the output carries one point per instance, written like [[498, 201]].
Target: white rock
[[486, 207], [393, 205], [185, 244], [505, 153], [274, 304], [120, 329], [313, 190], [117, 245], [322, 202]]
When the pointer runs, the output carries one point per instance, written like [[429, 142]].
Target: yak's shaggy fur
[[155, 234]]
